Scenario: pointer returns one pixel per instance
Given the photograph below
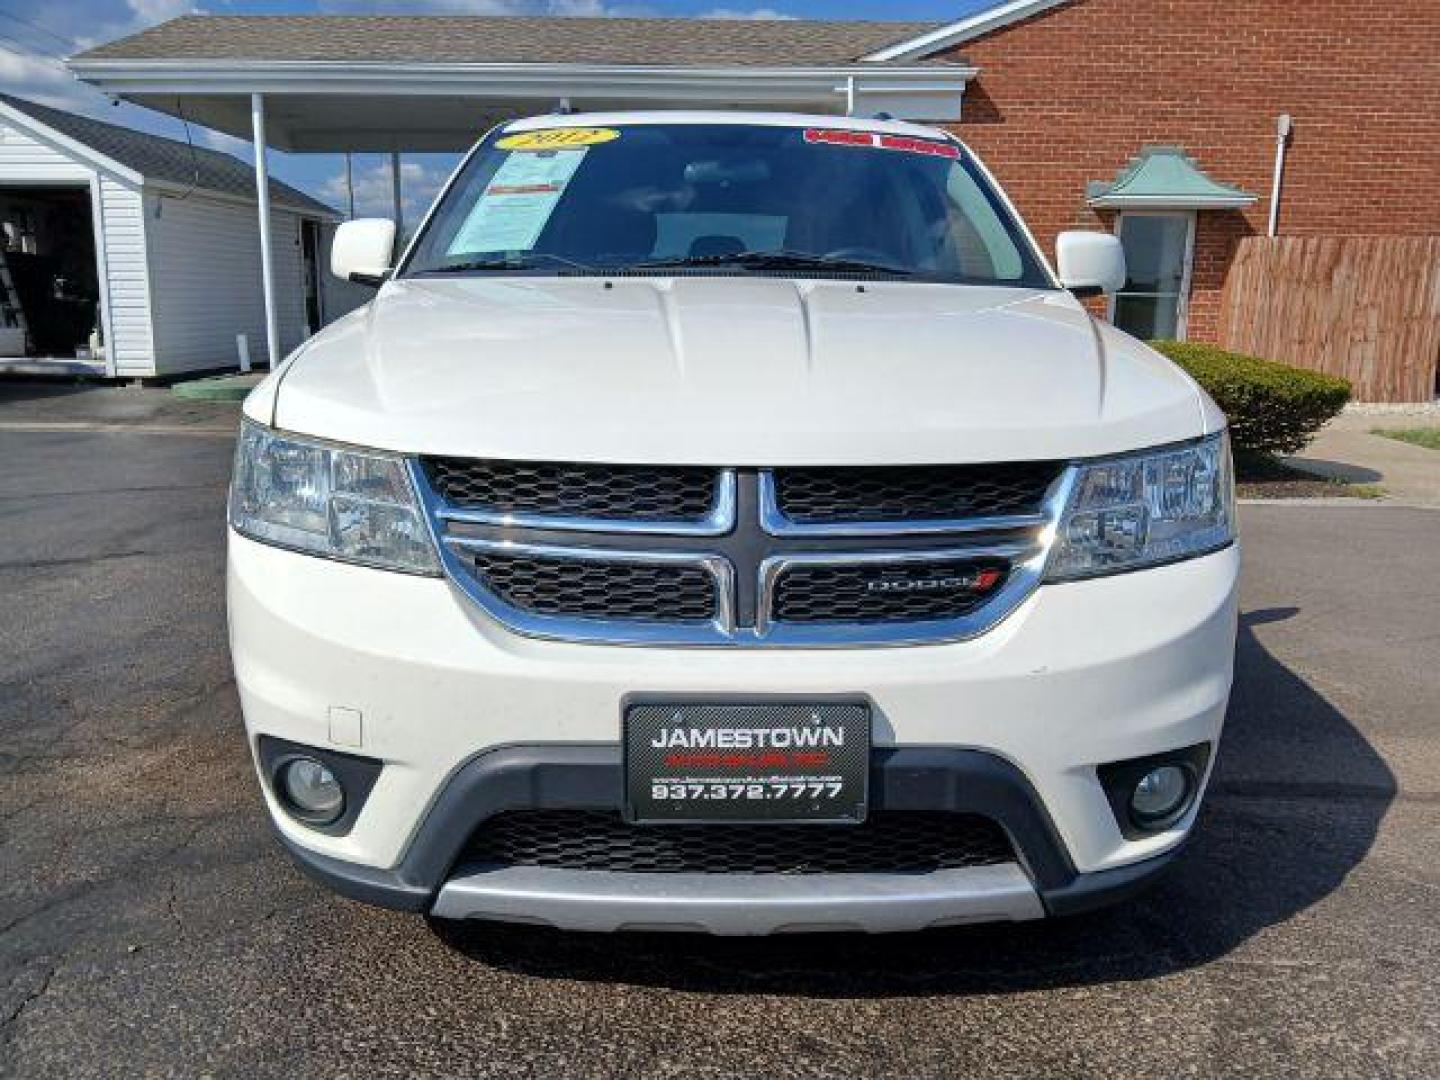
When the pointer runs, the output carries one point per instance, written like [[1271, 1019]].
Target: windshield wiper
[[776, 260], [750, 260], [519, 260]]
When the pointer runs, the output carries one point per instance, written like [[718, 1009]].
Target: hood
[[733, 371]]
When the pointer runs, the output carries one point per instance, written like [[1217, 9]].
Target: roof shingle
[[510, 40], [159, 158]]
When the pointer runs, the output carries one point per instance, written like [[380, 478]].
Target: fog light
[[1161, 794], [312, 790]]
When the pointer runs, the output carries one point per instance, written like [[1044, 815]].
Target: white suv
[[730, 522]]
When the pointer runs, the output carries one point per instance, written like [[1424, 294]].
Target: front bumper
[[434, 877], [1082, 674]]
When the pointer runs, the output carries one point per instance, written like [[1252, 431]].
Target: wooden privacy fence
[[1362, 307]]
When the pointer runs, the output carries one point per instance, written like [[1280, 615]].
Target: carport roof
[[351, 82], [171, 163], [509, 40]]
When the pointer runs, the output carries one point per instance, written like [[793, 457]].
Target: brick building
[[1068, 93], [1156, 118]]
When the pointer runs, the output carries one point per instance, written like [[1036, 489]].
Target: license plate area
[[747, 763]]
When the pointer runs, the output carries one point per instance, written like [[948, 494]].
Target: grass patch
[[1428, 437], [1365, 491]]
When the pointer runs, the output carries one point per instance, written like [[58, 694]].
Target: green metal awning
[[1165, 178]]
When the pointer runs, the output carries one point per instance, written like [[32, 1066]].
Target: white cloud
[[218, 140], [739, 13], [592, 8], [35, 72], [149, 12], [90, 27], [42, 78], [419, 184]]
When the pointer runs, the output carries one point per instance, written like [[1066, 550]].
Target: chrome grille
[[889, 842], [916, 493], [885, 593], [599, 590], [507, 489], [578, 556]]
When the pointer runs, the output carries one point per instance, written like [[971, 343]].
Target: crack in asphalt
[[102, 736], [54, 900], [7, 1025], [10, 815], [80, 891], [78, 560], [170, 900]]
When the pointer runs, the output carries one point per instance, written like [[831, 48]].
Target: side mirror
[[1090, 263], [362, 250]]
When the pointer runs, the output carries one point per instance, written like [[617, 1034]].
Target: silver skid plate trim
[[739, 904]]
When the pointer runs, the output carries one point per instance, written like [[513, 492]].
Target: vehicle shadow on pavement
[[22, 389], [1355, 474], [1294, 806]]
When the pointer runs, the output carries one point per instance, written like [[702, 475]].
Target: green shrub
[[1273, 408]]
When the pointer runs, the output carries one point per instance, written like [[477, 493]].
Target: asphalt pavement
[[149, 924]]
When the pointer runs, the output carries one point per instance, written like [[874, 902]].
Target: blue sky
[[34, 34]]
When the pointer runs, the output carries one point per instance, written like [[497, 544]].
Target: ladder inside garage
[[12, 314]]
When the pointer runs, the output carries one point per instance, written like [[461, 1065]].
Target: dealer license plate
[[747, 763]]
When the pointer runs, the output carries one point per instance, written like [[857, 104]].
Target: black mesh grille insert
[[893, 593], [890, 842], [929, 492], [621, 492], [599, 590]]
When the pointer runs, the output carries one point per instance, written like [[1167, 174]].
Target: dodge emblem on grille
[[979, 582]]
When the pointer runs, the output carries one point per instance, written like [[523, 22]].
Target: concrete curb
[[61, 427], [1323, 502]]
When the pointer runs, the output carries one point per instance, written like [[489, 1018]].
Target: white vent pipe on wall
[[1283, 127]]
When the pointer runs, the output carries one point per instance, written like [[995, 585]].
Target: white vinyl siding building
[[177, 263], [195, 246], [124, 281]]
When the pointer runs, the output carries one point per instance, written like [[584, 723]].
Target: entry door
[[1159, 248], [310, 261]]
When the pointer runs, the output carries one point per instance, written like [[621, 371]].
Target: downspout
[[1282, 139]]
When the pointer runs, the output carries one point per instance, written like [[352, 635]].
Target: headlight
[[355, 505], [1143, 509]]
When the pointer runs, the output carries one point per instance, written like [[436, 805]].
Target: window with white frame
[[1159, 252]]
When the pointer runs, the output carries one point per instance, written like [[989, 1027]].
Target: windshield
[[712, 198]]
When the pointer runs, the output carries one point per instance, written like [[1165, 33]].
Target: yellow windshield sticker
[[558, 139]]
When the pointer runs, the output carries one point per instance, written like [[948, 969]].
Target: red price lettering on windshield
[[871, 140]]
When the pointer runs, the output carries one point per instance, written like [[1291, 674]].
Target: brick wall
[[1071, 95]]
